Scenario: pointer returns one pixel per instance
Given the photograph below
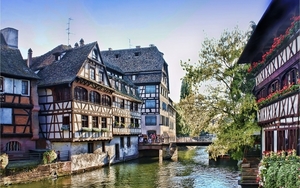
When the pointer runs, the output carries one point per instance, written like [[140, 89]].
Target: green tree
[[227, 107], [182, 128]]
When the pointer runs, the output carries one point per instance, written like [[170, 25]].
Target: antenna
[[68, 29], [129, 43]]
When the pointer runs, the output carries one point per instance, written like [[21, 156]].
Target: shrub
[[49, 156], [281, 169]]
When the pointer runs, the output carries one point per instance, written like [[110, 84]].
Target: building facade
[[147, 69], [274, 52], [18, 94]]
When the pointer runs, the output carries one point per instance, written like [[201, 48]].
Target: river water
[[192, 170]]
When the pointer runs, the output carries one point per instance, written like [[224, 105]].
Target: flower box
[[96, 129], [65, 127], [86, 129], [104, 129]]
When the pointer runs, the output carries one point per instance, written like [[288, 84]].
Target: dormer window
[[117, 55], [137, 53], [133, 77]]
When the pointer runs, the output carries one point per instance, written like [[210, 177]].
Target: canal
[[192, 170]]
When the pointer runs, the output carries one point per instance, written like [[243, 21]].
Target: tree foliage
[[227, 107]]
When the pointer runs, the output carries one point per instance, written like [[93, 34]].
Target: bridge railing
[[206, 138]]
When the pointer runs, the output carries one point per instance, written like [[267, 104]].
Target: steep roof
[[48, 58], [64, 70], [12, 63], [135, 59], [275, 21]]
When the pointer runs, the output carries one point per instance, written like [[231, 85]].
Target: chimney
[[138, 46], [151, 45], [29, 58], [10, 36], [76, 45], [81, 42], [109, 49]]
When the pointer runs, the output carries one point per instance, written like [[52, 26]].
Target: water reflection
[[191, 170]]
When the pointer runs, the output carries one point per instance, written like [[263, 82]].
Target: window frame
[[150, 103], [150, 120], [95, 122], [25, 87], [150, 89], [84, 121]]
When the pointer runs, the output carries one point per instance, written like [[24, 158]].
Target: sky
[[176, 27]]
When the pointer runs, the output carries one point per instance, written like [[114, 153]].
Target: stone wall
[[27, 174], [88, 160]]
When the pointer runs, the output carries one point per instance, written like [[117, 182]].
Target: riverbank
[[191, 170]]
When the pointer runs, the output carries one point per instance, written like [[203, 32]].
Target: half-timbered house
[[19, 101], [274, 52], [147, 69], [75, 98], [126, 106]]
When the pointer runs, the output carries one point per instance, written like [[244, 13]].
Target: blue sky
[[176, 27]]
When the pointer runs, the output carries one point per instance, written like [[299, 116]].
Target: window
[[62, 93], [122, 103], [261, 93], [274, 87], [94, 97], [164, 106], [80, 94], [95, 54], [133, 77], [106, 101], [1, 84], [289, 78], [104, 122], [117, 121], [150, 103], [122, 121], [137, 53], [5, 116], [24, 87], [92, 73], [150, 120], [128, 142], [150, 89], [84, 121], [101, 74], [122, 142], [13, 146], [95, 122], [117, 55], [90, 147], [66, 120]]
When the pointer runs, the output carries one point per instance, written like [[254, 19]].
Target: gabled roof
[[12, 63], [64, 70], [135, 59], [275, 21]]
